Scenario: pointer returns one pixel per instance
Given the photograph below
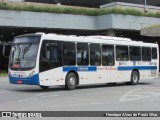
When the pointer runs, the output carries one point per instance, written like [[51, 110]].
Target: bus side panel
[[104, 74], [93, 77], [52, 77], [108, 74], [124, 76], [123, 71], [148, 74], [88, 78]]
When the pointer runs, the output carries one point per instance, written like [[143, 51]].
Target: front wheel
[[71, 81], [134, 78]]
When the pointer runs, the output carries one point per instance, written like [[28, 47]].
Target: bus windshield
[[24, 52]]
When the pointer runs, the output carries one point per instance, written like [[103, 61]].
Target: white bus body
[[109, 63]]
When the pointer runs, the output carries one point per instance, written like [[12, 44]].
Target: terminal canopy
[[153, 31], [93, 3]]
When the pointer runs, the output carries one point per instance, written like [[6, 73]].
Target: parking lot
[[142, 97]]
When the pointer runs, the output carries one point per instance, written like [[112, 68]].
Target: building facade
[[93, 3], [13, 23]]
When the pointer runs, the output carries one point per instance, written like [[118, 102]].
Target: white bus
[[50, 59]]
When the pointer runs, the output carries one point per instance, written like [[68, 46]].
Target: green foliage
[[3, 74], [78, 10], [153, 26], [3, 5]]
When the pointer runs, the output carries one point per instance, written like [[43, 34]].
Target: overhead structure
[[153, 31], [93, 3]]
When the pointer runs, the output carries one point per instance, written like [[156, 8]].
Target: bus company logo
[[106, 68], [14, 75], [6, 114], [19, 72], [17, 75], [152, 63], [82, 68], [101, 68]]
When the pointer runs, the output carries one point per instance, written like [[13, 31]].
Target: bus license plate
[[19, 82]]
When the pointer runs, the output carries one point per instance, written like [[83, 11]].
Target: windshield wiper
[[22, 49], [26, 49]]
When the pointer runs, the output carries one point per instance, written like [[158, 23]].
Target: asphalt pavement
[[102, 97]]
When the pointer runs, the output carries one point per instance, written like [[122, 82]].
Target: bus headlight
[[31, 74], [9, 73]]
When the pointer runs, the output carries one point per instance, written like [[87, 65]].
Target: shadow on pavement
[[81, 87]]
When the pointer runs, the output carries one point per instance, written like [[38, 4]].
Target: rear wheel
[[134, 78], [44, 87], [71, 81]]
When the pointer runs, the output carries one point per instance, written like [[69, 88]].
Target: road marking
[[37, 97], [124, 96], [134, 98], [45, 96], [29, 98], [140, 93]]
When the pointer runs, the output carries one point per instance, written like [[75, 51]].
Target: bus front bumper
[[34, 80]]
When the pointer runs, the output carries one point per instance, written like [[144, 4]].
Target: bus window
[[122, 53], [135, 53], [154, 53], [69, 54], [107, 55], [82, 54], [51, 55], [95, 54], [146, 54]]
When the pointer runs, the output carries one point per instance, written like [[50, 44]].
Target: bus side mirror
[[6, 49]]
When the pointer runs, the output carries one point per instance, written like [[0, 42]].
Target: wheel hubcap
[[72, 81], [135, 78]]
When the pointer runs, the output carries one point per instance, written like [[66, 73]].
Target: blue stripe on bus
[[121, 68], [80, 68], [34, 80]]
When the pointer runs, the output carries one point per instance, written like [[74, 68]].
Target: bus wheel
[[44, 87], [134, 78], [71, 81]]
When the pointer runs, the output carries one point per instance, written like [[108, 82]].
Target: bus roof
[[95, 39]]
